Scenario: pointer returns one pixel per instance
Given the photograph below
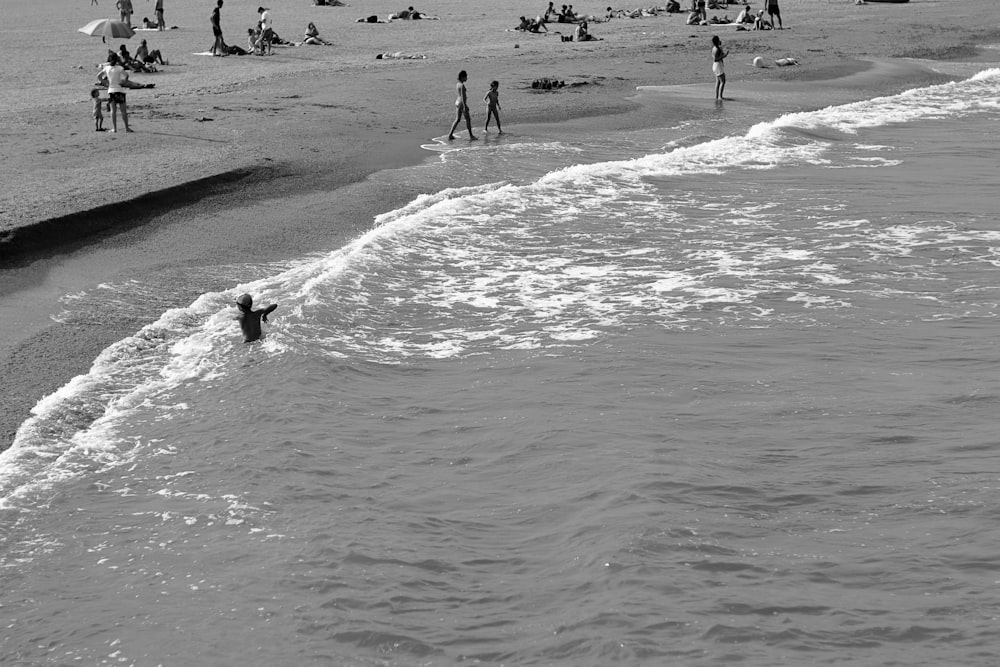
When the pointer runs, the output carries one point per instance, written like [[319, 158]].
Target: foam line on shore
[[18, 245]]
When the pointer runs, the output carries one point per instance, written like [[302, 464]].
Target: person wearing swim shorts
[[774, 13], [718, 67], [159, 15], [117, 80]]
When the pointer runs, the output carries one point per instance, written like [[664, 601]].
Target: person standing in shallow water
[[461, 106], [492, 100], [718, 56], [250, 319]]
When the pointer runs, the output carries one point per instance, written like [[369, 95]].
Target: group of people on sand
[[261, 39], [114, 76], [492, 100], [566, 15], [698, 15]]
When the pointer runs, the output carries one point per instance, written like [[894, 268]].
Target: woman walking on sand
[[718, 55], [461, 106]]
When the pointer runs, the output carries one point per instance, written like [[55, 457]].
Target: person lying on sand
[[411, 14]]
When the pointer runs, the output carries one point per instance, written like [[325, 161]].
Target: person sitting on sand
[[312, 36], [761, 23], [143, 54], [531, 25], [250, 319], [582, 34], [253, 37], [128, 62], [550, 13], [746, 15], [672, 7]]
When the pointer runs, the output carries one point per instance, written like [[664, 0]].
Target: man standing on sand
[[219, 47], [266, 33], [125, 10], [159, 15], [117, 78], [773, 11], [250, 319]]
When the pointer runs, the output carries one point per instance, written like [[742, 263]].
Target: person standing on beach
[[461, 106], [774, 12], [125, 11], [219, 47], [117, 77], [492, 100], [266, 33], [160, 25], [98, 114], [250, 319], [718, 55]]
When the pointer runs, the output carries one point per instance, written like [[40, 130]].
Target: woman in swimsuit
[[718, 55], [461, 107]]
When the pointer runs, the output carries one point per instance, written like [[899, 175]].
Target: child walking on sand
[[99, 101], [492, 100]]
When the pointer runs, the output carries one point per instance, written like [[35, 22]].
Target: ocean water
[[693, 396]]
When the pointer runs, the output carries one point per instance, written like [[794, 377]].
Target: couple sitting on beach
[[411, 14], [532, 25], [143, 61]]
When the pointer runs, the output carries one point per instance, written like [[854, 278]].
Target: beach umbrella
[[105, 28]]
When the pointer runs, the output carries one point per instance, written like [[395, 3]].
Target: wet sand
[[256, 144]]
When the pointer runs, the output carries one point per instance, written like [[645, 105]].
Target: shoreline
[[331, 147]]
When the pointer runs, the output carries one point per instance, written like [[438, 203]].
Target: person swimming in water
[[250, 319]]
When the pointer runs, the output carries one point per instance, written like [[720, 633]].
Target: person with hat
[[250, 319]]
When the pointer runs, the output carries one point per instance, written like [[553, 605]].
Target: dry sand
[[248, 142]]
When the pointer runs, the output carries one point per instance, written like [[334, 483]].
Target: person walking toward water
[[492, 100], [718, 55], [219, 47], [461, 106], [250, 319]]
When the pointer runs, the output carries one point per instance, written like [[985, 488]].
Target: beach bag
[[372, 19]]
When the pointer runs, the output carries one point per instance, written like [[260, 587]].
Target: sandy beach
[[274, 148]]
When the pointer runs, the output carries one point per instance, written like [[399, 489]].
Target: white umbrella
[[105, 28]]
